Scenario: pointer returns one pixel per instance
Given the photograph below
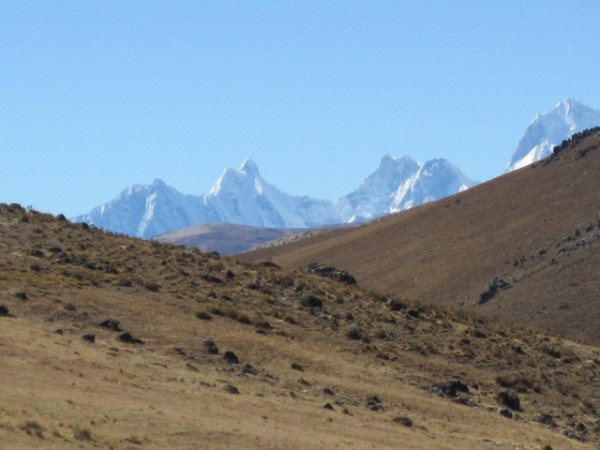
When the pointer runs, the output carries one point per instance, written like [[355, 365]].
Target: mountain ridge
[[243, 197]]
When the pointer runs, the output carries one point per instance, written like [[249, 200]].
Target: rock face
[[243, 197], [551, 128]]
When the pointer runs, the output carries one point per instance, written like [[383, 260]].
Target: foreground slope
[[537, 229], [197, 351]]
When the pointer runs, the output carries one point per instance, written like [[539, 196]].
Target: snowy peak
[[401, 183], [435, 179], [249, 168], [248, 177], [551, 128]]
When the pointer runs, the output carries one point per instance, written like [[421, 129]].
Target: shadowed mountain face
[[200, 351], [523, 248]]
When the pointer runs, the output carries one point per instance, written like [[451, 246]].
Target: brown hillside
[[538, 229], [297, 361], [225, 238]]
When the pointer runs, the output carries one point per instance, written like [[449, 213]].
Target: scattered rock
[[203, 315], [328, 391], [395, 305], [229, 274], [211, 279], [59, 331], [3, 310], [414, 312], [129, 339], [231, 389], [508, 398], [89, 338], [269, 265], [37, 253], [354, 334], [571, 435], [373, 403], [519, 262], [297, 366], [247, 369], [311, 301], [545, 419], [19, 295], [451, 388], [303, 382], [330, 272], [464, 400], [503, 411], [328, 406], [493, 288], [211, 348], [402, 420], [110, 324], [552, 352], [231, 357]]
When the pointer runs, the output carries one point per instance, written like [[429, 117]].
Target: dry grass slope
[[199, 351], [536, 229]]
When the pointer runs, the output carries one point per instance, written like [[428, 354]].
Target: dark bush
[[152, 286], [311, 301], [203, 315]]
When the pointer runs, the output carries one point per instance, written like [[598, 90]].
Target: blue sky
[[97, 95]]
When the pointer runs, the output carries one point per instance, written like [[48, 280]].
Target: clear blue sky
[[97, 95]]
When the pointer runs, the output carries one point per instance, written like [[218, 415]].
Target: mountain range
[[243, 197]]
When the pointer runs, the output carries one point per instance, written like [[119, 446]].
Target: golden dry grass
[[61, 391]]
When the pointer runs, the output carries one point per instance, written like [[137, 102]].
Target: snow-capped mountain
[[241, 197], [374, 196], [551, 128], [399, 184], [244, 197], [435, 179]]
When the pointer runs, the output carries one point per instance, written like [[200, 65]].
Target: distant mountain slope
[[550, 129], [226, 238], [243, 197], [537, 230]]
